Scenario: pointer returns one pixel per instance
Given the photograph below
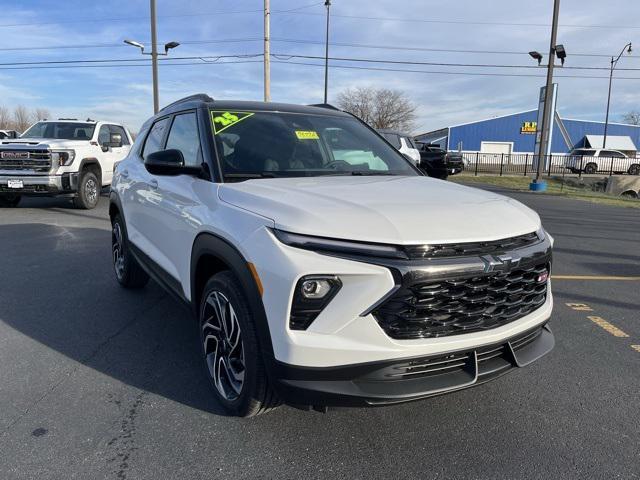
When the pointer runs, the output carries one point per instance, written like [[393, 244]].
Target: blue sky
[[124, 93]]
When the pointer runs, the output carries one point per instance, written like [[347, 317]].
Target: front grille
[[471, 248], [430, 309], [38, 161]]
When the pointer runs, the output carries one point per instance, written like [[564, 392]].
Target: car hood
[[42, 143], [385, 209]]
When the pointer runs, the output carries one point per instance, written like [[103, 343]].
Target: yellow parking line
[[595, 277], [612, 329], [580, 307], [636, 347]]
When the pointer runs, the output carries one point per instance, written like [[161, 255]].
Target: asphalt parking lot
[[99, 382]]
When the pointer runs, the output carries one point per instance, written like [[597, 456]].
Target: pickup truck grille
[[25, 160], [445, 307]]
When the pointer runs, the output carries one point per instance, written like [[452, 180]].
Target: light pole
[[154, 55], [614, 62], [327, 4], [267, 51]]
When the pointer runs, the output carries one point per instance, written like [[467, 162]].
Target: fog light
[[312, 294], [315, 288]]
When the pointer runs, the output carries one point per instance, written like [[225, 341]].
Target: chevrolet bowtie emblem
[[499, 263]]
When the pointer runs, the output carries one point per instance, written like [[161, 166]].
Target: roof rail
[[68, 119], [198, 96], [325, 105]]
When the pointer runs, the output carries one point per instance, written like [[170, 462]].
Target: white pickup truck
[[62, 157], [594, 160]]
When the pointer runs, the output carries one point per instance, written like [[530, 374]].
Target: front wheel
[[231, 350], [88, 191], [634, 169], [10, 200], [590, 168], [128, 272]]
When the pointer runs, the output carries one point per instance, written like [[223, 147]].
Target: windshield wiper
[[250, 175]]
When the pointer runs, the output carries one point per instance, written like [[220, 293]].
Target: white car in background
[[62, 157], [403, 143], [594, 160]]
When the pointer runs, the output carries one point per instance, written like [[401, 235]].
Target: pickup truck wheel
[[10, 200], [634, 169], [88, 191], [590, 168], [128, 272], [231, 351]]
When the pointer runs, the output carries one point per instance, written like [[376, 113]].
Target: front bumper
[[40, 184], [396, 381]]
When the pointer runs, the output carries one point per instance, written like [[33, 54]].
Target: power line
[[483, 74], [39, 67]]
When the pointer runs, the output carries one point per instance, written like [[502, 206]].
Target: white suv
[[594, 160], [62, 157], [323, 268]]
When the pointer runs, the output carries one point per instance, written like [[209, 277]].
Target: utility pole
[[614, 62], [154, 57], [548, 93], [267, 52], [327, 3]]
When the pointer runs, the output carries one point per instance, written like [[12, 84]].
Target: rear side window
[[153, 142], [184, 136], [611, 153], [393, 139], [119, 130]]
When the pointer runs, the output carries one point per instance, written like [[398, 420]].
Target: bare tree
[[40, 114], [5, 118], [21, 118], [632, 117], [379, 107]]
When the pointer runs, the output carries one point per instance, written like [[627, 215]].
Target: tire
[[590, 168], [126, 268], [634, 169], [10, 200], [88, 191], [231, 351]]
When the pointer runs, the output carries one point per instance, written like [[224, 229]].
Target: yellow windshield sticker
[[307, 135], [221, 120]]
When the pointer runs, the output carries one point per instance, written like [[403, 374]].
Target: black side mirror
[[168, 162]]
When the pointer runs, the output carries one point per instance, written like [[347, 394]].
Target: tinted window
[[184, 136], [393, 139], [286, 144], [119, 130], [611, 153], [583, 152], [61, 130], [154, 139], [104, 135]]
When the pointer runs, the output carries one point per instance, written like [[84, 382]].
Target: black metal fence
[[527, 164]]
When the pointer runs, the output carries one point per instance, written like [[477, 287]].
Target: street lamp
[[614, 62], [154, 54], [536, 56], [327, 4]]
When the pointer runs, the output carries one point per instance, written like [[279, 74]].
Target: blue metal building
[[515, 133]]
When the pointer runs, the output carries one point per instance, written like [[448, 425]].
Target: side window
[[118, 129], [611, 153], [104, 135], [154, 139], [184, 136], [393, 139]]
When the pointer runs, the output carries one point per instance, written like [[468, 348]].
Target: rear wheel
[[634, 169], [231, 351], [128, 272], [88, 191], [9, 200], [590, 168]]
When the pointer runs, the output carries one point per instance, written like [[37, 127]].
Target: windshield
[[61, 130], [273, 144]]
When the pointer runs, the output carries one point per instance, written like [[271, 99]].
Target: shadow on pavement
[[58, 288]]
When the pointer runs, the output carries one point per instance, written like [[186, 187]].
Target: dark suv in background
[[439, 163]]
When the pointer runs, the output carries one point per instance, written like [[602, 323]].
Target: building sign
[[529, 128]]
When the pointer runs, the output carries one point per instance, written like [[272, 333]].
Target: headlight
[[63, 157], [330, 245]]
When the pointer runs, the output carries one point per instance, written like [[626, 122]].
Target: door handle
[[153, 183]]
